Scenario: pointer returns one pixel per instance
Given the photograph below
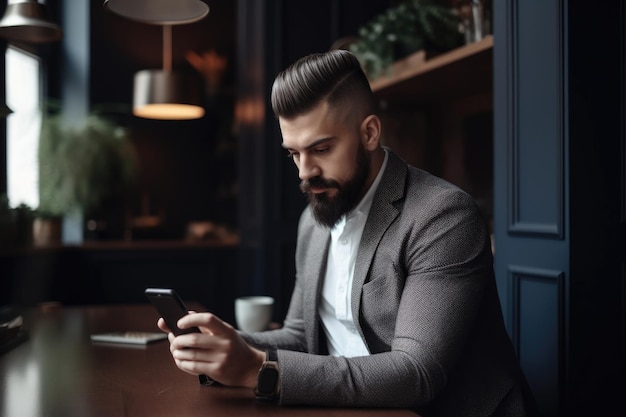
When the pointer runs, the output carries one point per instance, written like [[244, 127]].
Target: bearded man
[[395, 301]]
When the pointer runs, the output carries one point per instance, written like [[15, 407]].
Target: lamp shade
[[166, 95], [159, 12], [28, 21]]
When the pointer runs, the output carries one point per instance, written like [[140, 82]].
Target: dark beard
[[329, 210]]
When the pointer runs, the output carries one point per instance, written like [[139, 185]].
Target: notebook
[[130, 337]]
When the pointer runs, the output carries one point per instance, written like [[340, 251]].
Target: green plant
[[15, 223], [82, 166], [411, 25], [23, 210]]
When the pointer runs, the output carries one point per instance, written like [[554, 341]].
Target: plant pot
[[46, 231]]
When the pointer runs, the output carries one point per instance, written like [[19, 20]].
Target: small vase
[[473, 21], [46, 231]]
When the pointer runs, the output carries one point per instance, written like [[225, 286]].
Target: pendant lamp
[[163, 93], [28, 21], [159, 12]]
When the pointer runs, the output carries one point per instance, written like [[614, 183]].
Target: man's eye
[[292, 155], [321, 150]]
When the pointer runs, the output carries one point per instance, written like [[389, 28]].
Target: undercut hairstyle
[[335, 77]]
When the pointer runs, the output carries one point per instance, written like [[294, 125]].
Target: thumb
[[217, 326], [208, 321]]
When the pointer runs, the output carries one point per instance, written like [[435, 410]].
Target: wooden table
[[58, 371]]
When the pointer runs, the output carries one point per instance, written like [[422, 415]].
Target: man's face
[[333, 164]]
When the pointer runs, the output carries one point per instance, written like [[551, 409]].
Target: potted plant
[[16, 224], [409, 26], [82, 167]]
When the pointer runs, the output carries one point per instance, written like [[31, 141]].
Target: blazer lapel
[[381, 215], [312, 282]]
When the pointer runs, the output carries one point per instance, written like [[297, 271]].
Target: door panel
[[530, 188]]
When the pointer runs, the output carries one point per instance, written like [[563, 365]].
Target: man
[[395, 302]]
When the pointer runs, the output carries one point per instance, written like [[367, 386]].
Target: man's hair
[[334, 76]]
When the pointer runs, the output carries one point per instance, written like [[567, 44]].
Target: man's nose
[[307, 168]]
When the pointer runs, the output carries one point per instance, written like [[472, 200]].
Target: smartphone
[[172, 307]]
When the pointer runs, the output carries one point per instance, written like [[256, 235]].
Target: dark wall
[[597, 155], [118, 274]]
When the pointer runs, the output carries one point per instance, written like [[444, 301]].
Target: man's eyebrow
[[314, 144]]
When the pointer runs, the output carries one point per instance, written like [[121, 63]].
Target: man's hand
[[218, 351]]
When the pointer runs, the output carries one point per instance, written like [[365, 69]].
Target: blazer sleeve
[[293, 333], [290, 336]]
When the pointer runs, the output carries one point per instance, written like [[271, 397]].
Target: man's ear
[[370, 132]]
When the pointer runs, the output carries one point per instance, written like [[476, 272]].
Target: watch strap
[[271, 355], [268, 379]]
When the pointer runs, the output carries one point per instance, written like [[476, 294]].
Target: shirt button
[[343, 241]]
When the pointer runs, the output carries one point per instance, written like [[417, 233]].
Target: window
[[24, 96]]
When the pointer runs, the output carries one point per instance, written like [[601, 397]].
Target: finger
[[211, 322], [192, 340], [161, 325], [192, 358], [192, 367], [193, 319], [196, 355], [219, 327], [201, 341]]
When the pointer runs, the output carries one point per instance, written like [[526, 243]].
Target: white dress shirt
[[335, 307]]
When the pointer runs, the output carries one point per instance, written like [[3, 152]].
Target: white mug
[[254, 313]]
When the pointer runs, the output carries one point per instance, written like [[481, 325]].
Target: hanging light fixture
[[163, 93], [27, 21], [159, 12]]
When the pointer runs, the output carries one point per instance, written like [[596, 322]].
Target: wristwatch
[[268, 378]]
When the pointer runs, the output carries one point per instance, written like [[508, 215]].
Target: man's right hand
[[218, 351]]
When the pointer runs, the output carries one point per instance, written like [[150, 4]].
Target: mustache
[[317, 182]]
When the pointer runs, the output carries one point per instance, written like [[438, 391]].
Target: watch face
[[267, 381]]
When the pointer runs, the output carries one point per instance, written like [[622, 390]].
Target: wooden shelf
[[461, 72]]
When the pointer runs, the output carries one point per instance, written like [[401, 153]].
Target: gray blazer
[[425, 297]]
